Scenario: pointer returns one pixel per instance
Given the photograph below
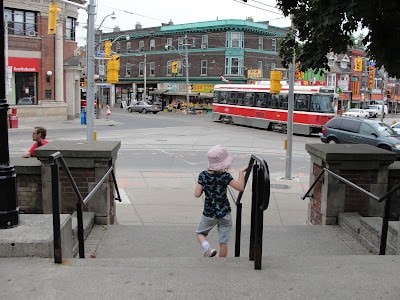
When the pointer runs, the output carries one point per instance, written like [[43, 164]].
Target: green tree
[[323, 26]]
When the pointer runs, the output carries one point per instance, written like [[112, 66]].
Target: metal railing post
[[56, 212]]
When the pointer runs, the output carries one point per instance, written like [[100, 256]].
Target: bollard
[[285, 144]]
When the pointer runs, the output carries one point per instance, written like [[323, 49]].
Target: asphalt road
[[147, 140]]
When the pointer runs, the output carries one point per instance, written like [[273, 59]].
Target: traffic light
[[107, 48], [52, 20], [275, 77], [83, 82], [113, 69], [174, 67]]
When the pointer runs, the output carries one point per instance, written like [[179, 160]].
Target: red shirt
[[36, 145]]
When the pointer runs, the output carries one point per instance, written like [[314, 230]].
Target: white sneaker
[[210, 253]]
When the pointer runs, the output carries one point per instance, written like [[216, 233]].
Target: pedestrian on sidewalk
[[108, 112], [39, 138], [217, 211]]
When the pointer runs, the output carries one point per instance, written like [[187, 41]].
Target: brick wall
[[29, 193]]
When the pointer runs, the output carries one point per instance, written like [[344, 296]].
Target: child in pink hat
[[217, 211]]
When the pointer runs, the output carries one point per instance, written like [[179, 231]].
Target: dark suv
[[349, 130]]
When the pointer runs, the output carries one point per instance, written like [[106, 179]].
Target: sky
[[151, 13]]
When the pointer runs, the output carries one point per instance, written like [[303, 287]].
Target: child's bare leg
[[223, 250]]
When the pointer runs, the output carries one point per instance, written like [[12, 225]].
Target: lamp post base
[[9, 219]]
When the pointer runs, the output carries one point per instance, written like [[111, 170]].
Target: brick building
[[37, 60], [153, 60]]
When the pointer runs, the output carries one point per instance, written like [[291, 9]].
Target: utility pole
[[187, 73], [145, 79], [289, 131], [91, 10]]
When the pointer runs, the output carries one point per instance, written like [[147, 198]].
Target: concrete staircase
[[367, 231]]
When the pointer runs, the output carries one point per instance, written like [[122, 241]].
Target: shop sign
[[23, 64]]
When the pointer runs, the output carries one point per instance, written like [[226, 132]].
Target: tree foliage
[[323, 26]]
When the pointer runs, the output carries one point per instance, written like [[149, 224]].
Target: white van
[[378, 107]]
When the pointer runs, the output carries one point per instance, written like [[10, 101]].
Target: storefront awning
[[157, 92], [206, 95], [180, 94]]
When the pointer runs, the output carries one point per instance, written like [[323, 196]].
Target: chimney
[[116, 29], [138, 26]]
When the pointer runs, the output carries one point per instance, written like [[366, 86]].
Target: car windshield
[[384, 129]]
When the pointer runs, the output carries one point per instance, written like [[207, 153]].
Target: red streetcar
[[253, 105]]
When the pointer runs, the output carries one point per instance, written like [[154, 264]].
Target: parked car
[[396, 127], [25, 101], [356, 112], [143, 107], [350, 130]]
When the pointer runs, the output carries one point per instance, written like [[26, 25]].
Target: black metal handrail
[[58, 161], [387, 197], [260, 201]]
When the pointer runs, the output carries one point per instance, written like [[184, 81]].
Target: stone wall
[[366, 166], [87, 163]]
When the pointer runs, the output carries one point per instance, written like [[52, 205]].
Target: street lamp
[[187, 68]]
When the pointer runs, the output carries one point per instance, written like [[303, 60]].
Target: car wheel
[[129, 109], [144, 111], [385, 147], [154, 112], [333, 141]]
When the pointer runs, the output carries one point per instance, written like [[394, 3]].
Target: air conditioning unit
[[32, 33], [203, 46]]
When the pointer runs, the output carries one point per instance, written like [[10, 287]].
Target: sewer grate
[[279, 186]]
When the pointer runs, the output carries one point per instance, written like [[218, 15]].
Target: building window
[[273, 44], [260, 42], [20, 22], [141, 68], [181, 43], [260, 65], [233, 66], [152, 45], [343, 64], [203, 67], [331, 80], [168, 44], [128, 70], [273, 65], [118, 47], [234, 39], [128, 47], [141, 46], [330, 62], [70, 24], [204, 41], [152, 69]]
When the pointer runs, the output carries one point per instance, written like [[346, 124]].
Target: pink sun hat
[[219, 158]]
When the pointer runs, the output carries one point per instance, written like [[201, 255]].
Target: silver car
[[143, 107], [350, 130]]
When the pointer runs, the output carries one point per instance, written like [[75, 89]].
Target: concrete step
[[127, 241], [367, 230], [281, 277]]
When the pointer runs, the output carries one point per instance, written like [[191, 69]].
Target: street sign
[[338, 90], [100, 54]]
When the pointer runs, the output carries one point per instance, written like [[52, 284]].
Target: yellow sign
[[254, 73], [358, 64], [202, 88]]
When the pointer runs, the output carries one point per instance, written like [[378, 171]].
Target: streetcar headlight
[[396, 146]]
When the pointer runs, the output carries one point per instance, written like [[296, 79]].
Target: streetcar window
[[261, 99], [232, 98], [249, 99], [321, 103], [221, 97], [273, 101], [283, 101], [240, 100], [301, 102]]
